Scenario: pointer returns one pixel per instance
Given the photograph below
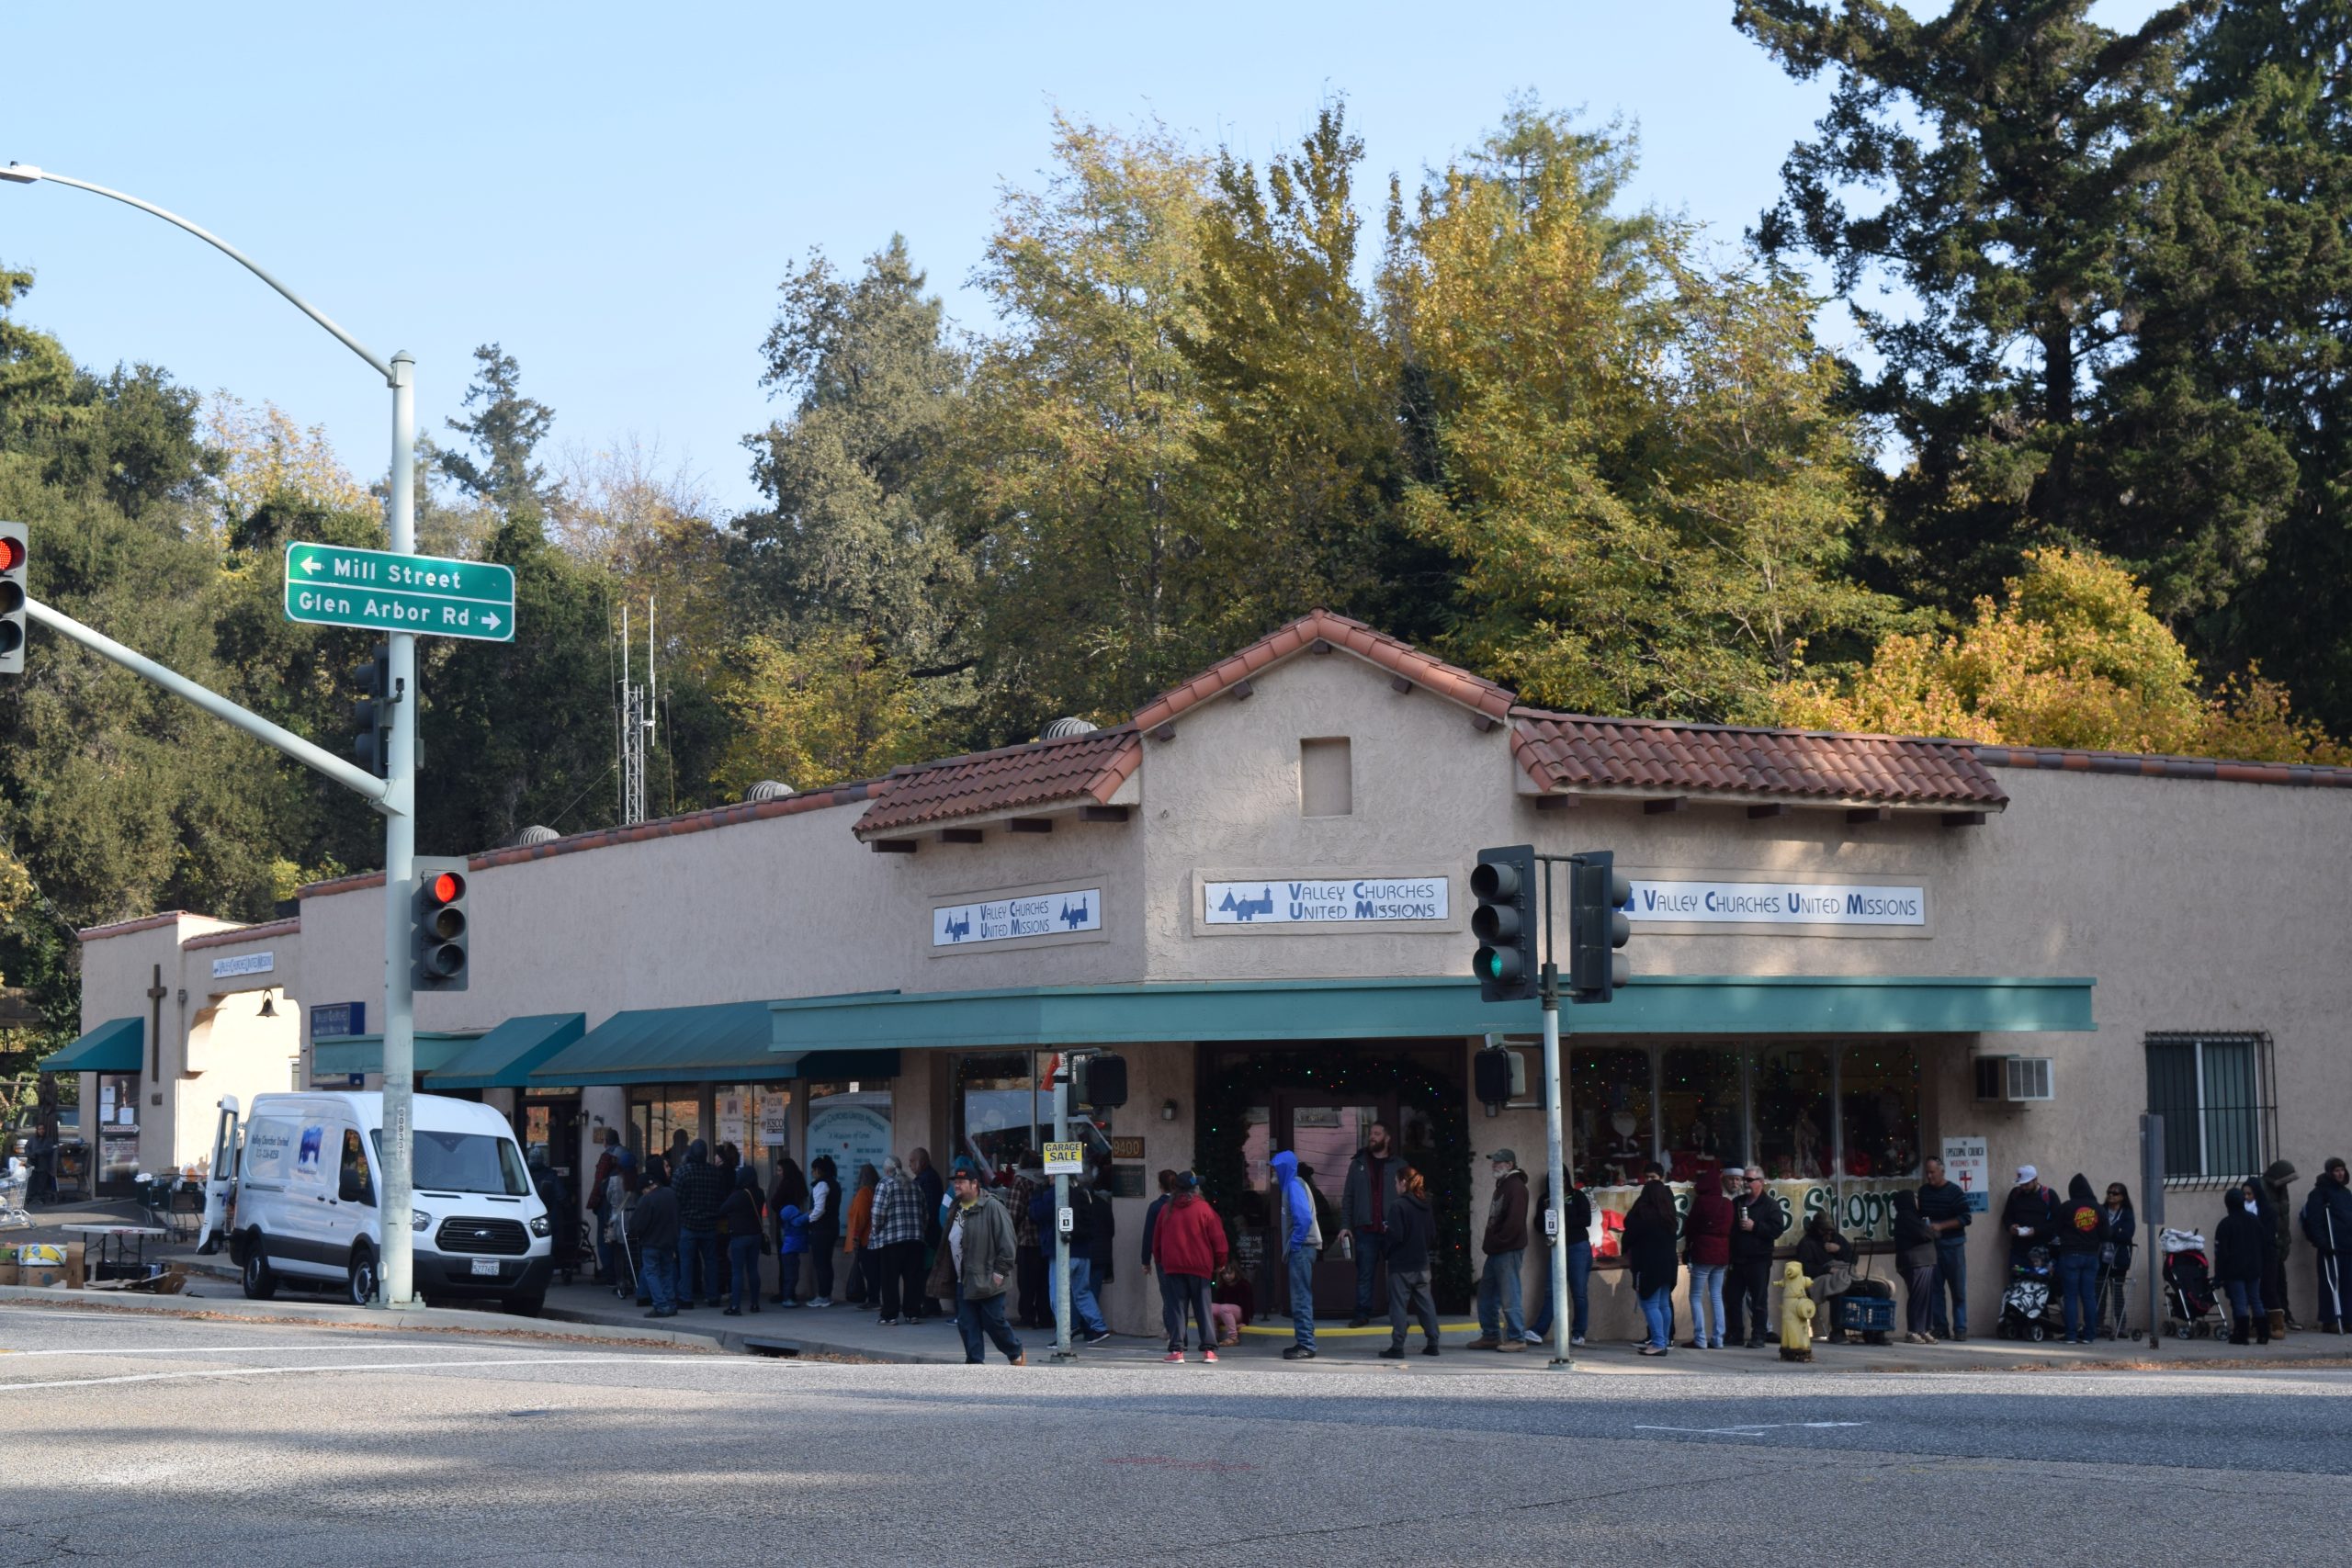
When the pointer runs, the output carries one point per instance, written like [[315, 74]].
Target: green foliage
[[505, 429]]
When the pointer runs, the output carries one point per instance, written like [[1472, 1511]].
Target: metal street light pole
[[398, 802]]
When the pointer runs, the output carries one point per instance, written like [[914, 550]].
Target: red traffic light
[[12, 554], [446, 888]]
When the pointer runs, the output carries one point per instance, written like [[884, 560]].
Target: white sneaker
[[1577, 1339], [822, 1301], [1531, 1336]]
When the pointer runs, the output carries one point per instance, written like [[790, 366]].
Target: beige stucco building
[[1257, 891]]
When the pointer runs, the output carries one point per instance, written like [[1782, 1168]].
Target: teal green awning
[[504, 1057], [117, 1046], [725, 1043], [365, 1053], [1427, 1008]]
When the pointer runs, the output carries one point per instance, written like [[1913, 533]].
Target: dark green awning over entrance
[[1427, 1008], [365, 1053], [117, 1046], [504, 1057], [724, 1043]]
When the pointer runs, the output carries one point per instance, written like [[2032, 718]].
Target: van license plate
[[486, 1266]]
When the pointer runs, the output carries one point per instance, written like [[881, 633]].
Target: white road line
[[211, 1351], [336, 1367], [1753, 1429]]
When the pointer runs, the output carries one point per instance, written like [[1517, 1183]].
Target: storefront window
[[1700, 1096], [1879, 1095], [1610, 1093], [656, 1123], [1001, 1117], [1793, 1124]]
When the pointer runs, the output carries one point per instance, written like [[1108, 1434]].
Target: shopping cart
[[12, 1195]]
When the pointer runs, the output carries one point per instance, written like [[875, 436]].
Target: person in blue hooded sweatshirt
[[1301, 1241]]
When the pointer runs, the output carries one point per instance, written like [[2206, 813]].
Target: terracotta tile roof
[[1568, 752], [292, 927], [1349, 636], [2308, 776], [1088, 767]]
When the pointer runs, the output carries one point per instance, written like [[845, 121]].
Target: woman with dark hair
[[2118, 1230], [1915, 1255], [790, 1190], [824, 1228], [1650, 1225], [857, 1239], [1411, 1230], [746, 1234]]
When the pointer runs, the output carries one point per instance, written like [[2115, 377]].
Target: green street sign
[[331, 585]]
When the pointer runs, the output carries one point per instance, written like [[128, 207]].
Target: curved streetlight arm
[[28, 173]]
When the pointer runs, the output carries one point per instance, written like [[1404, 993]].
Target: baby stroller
[[2029, 1308], [2193, 1310]]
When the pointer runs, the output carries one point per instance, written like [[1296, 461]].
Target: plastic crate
[[1866, 1315]]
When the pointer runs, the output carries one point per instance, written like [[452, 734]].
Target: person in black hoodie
[[1757, 1221], [1650, 1225], [2081, 1227], [2327, 1226], [2237, 1268], [1410, 1230]]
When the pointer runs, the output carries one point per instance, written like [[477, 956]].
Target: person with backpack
[[2327, 1226], [2081, 1225], [2238, 1248], [1707, 1235], [1411, 1230]]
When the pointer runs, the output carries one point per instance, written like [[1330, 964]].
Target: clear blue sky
[[614, 192]]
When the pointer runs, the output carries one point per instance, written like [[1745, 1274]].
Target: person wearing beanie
[[2080, 1227], [975, 1264], [1189, 1248], [2327, 1226]]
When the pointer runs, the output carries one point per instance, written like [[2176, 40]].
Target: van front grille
[[464, 1233]]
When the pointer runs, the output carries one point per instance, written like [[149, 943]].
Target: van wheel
[[526, 1306], [260, 1280], [361, 1281]]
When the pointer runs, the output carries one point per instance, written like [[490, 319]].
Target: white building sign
[[1323, 901], [1779, 903], [243, 964], [1030, 914]]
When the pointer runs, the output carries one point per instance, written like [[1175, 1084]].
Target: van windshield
[[465, 1162]]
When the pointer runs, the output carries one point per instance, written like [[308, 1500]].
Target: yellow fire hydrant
[[1796, 1314]]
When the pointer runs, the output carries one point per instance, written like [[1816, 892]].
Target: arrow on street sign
[[333, 585]]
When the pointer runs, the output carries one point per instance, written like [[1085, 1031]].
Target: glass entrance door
[[1325, 1132]]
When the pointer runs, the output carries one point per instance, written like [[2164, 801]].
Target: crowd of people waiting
[[694, 1224]]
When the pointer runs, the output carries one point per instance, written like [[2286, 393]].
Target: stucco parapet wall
[[603, 838], [149, 923], [262, 932], [2307, 775], [1332, 633]]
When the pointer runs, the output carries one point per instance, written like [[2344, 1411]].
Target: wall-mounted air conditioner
[[2013, 1079]]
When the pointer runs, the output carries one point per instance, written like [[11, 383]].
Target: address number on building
[[1065, 1159]]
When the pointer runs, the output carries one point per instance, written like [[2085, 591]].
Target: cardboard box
[[40, 1273], [9, 1273], [75, 1256]]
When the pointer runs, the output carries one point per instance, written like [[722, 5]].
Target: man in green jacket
[[977, 1248]]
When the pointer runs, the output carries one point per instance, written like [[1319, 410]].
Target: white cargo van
[[294, 1186]]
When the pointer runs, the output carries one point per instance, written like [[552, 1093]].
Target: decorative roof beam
[[894, 846], [960, 835], [1861, 814], [1031, 824], [1665, 807], [1102, 813], [1776, 808], [1963, 818]]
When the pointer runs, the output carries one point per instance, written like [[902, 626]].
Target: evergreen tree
[[506, 428]]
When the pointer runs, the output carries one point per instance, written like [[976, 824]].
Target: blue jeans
[[697, 1266], [744, 1266], [1579, 1292], [2246, 1304], [2078, 1277], [981, 1322], [1302, 1295], [1658, 1310], [657, 1274], [1951, 1280], [1085, 1314], [1498, 1287], [1707, 1303], [1371, 1247]]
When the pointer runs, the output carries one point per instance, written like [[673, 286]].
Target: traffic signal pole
[[1062, 1351], [394, 795], [1556, 1145]]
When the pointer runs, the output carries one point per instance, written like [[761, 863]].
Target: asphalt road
[[158, 1440]]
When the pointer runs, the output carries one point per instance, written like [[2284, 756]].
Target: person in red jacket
[[1188, 1244], [1707, 1245]]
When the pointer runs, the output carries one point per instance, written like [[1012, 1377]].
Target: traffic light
[[1490, 1074], [13, 556], [1598, 927], [1099, 1080], [1504, 883], [438, 936], [371, 716]]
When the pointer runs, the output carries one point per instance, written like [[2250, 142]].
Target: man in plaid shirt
[[898, 1241]]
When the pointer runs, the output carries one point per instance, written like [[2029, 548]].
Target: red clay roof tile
[[1571, 752], [1350, 635], [1044, 773]]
